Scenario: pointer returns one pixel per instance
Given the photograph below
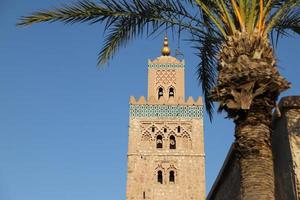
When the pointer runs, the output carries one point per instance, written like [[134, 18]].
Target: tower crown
[[166, 76]]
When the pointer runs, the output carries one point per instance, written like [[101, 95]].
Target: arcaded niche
[[166, 159]]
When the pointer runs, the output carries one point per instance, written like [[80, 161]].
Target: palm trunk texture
[[248, 86], [255, 156]]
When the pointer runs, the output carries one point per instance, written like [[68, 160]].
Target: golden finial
[[166, 50]]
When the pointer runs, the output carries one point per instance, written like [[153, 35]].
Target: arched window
[[159, 142], [186, 141], [160, 177], [172, 177], [171, 92], [160, 92], [172, 142]]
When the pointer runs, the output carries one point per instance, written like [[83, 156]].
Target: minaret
[[166, 159]]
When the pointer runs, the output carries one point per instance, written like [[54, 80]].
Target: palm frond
[[82, 11], [227, 16], [215, 18], [238, 15], [283, 7], [135, 14], [207, 51], [251, 19], [289, 23]]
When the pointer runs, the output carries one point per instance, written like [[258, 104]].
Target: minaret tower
[[166, 159]]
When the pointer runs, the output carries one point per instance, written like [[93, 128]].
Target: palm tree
[[237, 67]]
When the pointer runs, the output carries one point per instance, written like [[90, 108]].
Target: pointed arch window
[[172, 142], [160, 177], [172, 176], [159, 142], [171, 92], [160, 92]]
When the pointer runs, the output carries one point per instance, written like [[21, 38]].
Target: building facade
[[166, 159]]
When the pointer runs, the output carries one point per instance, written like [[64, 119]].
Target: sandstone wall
[[282, 161], [286, 149], [295, 147], [145, 160]]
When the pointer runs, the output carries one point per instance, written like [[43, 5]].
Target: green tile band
[[167, 65], [167, 111]]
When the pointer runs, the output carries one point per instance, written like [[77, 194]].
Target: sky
[[64, 122]]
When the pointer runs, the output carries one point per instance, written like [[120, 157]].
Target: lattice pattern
[[171, 128], [146, 136], [167, 111], [166, 76], [166, 65]]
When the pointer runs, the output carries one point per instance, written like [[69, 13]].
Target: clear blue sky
[[57, 136]]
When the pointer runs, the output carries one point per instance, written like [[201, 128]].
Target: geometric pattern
[[166, 76], [166, 111], [166, 65]]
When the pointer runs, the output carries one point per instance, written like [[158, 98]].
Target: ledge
[[289, 102]]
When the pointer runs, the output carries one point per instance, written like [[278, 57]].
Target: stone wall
[[286, 149], [145, 160], [286, 152], [227, 184], [295, 147]]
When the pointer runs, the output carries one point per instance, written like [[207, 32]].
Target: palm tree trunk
[[253, 145], [247, 89]]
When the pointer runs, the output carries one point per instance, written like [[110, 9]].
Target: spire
[[166, 50]]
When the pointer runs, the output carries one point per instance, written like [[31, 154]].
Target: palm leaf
[[216, 20], [289, 23], [283, 8], [137, 15], [207, 51]]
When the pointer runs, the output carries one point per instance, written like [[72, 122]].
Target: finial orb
[[166, 50]]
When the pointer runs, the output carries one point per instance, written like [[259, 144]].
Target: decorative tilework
[[167, 65], [166, 76], [167, 111]]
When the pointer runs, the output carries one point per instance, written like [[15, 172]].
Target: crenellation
[[162, 101]]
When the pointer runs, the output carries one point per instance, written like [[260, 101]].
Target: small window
[[178, 129], [172, 177], [165, 130], [160, 92], [171, 92], [159, 142], [144, 195], [172, 142], [153, 129], [160, 177]]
